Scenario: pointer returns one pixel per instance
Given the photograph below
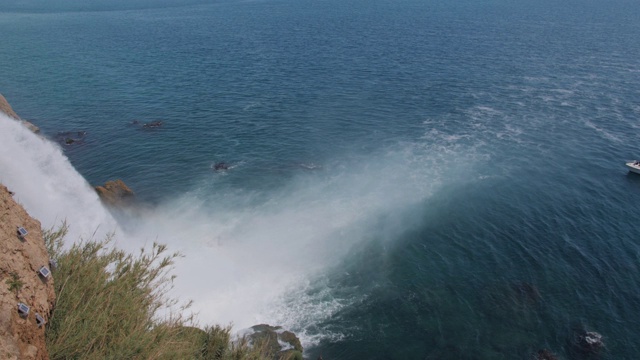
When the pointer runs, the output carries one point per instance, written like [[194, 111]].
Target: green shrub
[[109, 304], [14, 283]]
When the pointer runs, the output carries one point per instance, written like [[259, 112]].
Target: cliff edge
[[7, 109], [21, 258]]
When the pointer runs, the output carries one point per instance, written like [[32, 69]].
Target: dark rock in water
[[545, 354], [587, 344], [284, 344], [221, 166], [510, 302], [153, 124], [71, 137], [115, 193], [148, 125], [527, 292], [591, 342]]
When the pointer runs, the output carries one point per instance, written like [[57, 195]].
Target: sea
[[401, 179]]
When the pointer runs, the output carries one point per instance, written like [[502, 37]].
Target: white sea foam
[[604, 133]]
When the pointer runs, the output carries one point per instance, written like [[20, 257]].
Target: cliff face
[[20, 260], [6, 108]]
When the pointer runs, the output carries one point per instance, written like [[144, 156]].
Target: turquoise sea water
[[446, 178]]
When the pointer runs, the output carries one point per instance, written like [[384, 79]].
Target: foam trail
[[46, 184]]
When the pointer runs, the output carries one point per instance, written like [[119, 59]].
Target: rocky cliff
[[27, 295], [6, 108], [21, 259]]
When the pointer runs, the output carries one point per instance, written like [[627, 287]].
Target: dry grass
[[109, 305]]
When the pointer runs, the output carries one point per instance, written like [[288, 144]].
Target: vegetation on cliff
[[112, 305]]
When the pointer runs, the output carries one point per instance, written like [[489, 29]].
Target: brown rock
[[284, 344], [20, 259], [30, 126], [115, 193], [6, 108]]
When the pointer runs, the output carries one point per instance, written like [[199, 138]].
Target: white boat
[[634, 166]]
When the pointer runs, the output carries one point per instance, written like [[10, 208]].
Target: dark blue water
[[477, 147]]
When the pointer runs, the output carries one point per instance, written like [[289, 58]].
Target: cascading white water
[[47, 185], [240, 263]]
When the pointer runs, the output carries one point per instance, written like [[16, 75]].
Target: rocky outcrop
[[21, 258], [6, 108], [284, 344], [115, 193], [587, 343]]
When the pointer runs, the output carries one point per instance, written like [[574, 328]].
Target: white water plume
[[240, 261], [46, 184]]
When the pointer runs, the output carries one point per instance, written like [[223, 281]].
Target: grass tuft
[[14, 283]]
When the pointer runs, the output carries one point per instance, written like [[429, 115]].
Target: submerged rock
[[281, 343], [71, 137], [526, 292], [587, 344], [219, 166], [545, 354], [115, 193], [591, 342], [153, 124], [511, 302]]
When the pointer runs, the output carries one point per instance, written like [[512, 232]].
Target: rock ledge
[[115, 193], [20, 260]]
